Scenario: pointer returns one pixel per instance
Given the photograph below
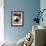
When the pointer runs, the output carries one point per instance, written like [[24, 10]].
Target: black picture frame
[[17, 18]]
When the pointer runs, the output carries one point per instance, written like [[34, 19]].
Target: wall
[[29, 7]]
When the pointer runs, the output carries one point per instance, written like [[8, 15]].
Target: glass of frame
[[17, 18]]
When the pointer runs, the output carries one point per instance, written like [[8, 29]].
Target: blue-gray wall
[[30, 7]]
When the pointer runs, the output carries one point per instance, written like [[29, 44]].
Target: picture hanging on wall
[[17, 18]]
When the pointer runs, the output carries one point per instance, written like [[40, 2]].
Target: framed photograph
[[17, 18]]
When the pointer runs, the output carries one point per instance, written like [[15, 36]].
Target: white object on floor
[[26, 41], [20, 42]]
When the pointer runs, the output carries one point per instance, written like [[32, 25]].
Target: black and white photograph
[[17, 18]]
